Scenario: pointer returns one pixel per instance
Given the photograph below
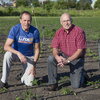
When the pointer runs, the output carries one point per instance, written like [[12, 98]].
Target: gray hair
[[65, 14]]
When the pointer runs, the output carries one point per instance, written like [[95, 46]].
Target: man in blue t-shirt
[[22, 44]]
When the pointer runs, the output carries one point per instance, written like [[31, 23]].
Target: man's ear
[[61, 22], [20, 20], [71, 20]]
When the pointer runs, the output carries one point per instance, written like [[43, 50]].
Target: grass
[[92, 54], [67, 91], [3, 90], [48, 25], [94, 84]]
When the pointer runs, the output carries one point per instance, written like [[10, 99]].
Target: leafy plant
[[3, 90], [63, 79], [66, 91], [27, 95], [18, 98], [35, 82], [95, 84], [91, 53]]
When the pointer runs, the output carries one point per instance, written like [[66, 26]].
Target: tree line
[[52, 8], [59, 4]]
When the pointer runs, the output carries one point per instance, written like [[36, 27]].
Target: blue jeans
[[76, 71]]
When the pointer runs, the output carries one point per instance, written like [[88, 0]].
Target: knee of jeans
[[50, 59], [75, 85]]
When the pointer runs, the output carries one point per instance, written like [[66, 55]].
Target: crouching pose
[[69, 45], [22, 44]]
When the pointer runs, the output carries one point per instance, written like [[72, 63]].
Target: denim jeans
[[76, 71]]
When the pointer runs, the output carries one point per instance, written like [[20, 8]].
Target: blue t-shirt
[[24, 41]]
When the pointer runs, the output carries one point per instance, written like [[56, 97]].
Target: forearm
[[8, 46], [36, 55], [55, 52], [10, 49], [76, 55]]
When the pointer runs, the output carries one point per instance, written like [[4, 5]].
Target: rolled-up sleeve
[[81, 40], [11, 33]]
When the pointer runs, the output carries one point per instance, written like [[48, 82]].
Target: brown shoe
[[53, 87]]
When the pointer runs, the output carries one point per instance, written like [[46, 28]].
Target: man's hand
[[32, 71], [60, 60], [66, 61], [22, 57]]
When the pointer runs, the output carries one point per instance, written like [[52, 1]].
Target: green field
[[91, 25]]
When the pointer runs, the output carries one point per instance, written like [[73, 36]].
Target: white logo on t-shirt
[[25, 40]]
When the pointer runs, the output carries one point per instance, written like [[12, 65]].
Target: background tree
[[97, 4], [48, 5], [62, 4], [2, 2], [35, 3], [85, 4], [71, 3], [65, 4], [22, 3]]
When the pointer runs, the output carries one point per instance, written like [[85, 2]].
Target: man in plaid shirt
[[69, 45]]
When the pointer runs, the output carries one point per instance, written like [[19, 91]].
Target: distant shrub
[[39, 11], [15, 13], [1, 13]]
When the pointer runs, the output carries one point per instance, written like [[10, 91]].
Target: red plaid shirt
[[69, 42]]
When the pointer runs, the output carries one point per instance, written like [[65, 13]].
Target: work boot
[[4, 85], [52, 87]]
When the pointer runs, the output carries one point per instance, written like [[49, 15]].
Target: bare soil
[[38, 92]]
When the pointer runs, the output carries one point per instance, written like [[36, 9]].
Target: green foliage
[[63, 79], [67, 91], [35, 3], [18, 98], [89, 24], [61, 4], [47, 5], [97, 4], [35, 82], [22, 3], [9, 10], [84, 4], [50, 10], [3, 90], [91, 53], [28, 95], [71, 3], [95, 84]]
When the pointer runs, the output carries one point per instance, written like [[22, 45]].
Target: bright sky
[[4, 1]]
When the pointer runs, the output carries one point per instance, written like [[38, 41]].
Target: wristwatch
[[68, 61]]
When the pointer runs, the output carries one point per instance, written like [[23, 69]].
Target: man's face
[[66, 22], [25, 22]]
